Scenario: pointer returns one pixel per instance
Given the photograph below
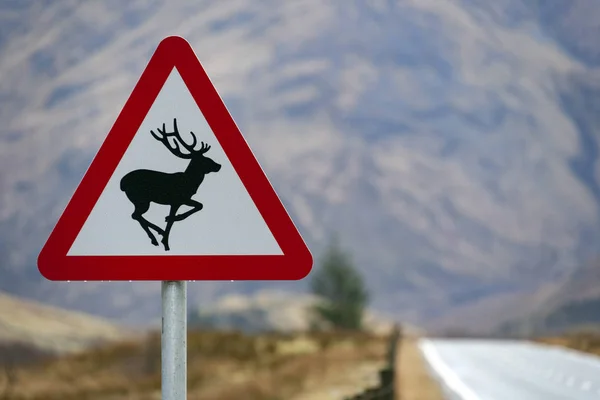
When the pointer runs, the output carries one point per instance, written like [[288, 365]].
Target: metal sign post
[[174, 340]]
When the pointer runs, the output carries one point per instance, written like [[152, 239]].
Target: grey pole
[[174, 340]]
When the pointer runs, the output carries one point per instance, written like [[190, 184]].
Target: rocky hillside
[[571, 306], [51, 328], [453, 143]]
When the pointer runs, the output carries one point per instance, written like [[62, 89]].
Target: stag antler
[[176, 150], [203, 148]]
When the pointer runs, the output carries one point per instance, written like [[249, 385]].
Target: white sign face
[[222, 218]]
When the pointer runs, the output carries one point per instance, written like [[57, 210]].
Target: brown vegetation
[[588, 342], [15, 355], [220, 366]]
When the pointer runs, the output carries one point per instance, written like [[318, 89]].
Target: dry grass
[[413, 381], [584, 341], [220, 366]]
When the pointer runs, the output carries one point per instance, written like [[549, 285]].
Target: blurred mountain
[[572, 306], [269, 311], [454, 143], [51, 328]]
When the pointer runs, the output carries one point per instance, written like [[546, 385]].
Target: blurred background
[[445, 150]]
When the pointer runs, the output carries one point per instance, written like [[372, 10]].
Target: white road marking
[[448, 376], [586, 385]]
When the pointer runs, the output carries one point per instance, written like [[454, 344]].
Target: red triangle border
[[296, 261]]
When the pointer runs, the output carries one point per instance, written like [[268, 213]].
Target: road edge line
[[449, 378]]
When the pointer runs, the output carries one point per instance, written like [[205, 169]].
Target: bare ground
[[413, 381]]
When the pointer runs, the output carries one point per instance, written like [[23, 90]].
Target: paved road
[[496, 370]]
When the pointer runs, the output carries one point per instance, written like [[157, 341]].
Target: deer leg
[[144, 223], [170, 220], [158, 229], [197, 206], [146, 229]]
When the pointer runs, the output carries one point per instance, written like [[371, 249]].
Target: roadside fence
[[387, 376]]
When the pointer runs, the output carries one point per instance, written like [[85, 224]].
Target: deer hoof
[[154, 242]]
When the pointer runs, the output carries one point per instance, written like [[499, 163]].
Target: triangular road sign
[[175, 150]]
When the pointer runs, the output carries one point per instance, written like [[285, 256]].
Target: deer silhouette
[[144, 186]]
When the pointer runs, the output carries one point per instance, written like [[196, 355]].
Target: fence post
[[386, 376], [386, 389], [394, 354]]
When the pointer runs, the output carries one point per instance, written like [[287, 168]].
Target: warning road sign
[[175, 193]]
